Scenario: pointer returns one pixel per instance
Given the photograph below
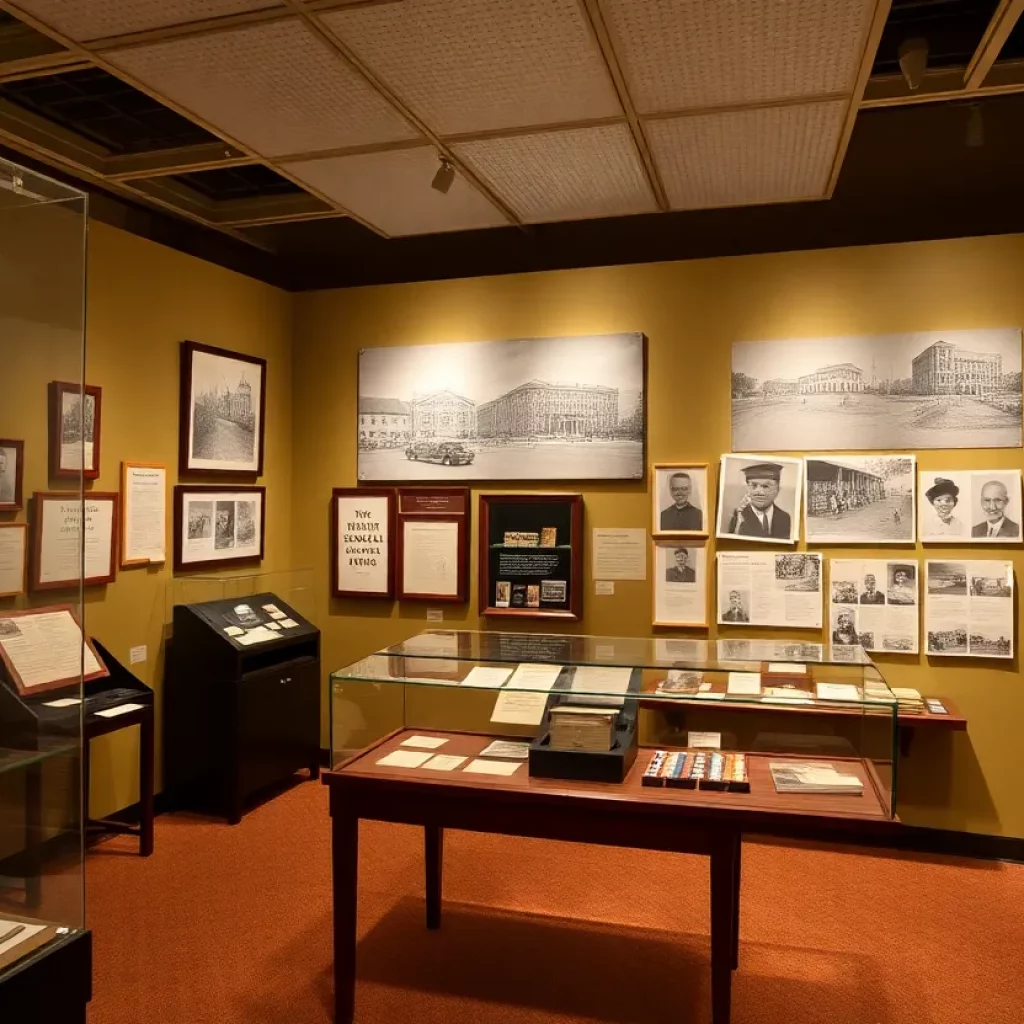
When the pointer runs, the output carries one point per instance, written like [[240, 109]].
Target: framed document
[[680, 499], [531, 555], [759, 499], [75, 430], [223, 400], [13, 560], [12, 471], [43, 649], [144, 511], [769, 589], [362, 535], [218, 526], [61, 545], [432, 549], [680, 584]]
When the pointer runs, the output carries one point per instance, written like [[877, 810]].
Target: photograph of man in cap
[[995, 497], [682, 571], [757, 514]]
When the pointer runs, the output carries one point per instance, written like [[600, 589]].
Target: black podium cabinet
[[241, 701]]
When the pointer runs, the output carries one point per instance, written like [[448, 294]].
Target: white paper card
[[748, 683], [259, 635], [619, 554], [533, 676], [234, 630], [837, 691], [604, 588], [145, 513], [711, 740], [12, 559], [16, 940], [515, 708], [138, 654], [289, 623], [444, 763], [480, 767], [790, 668], [406, 758], [430, 557], [64, 702], [275, 626], [121, 709], [435, 615], [275, 614], [483, 677], [507, 748], [591, 679], [430, 742]]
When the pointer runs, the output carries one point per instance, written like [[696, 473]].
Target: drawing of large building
[[838, 377], [553, 410], [443, 414], [384, 420], [947, 369], [236, 405]]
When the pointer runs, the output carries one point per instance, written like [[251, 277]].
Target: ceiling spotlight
[[913, 55], [975, 136], [445, 177]]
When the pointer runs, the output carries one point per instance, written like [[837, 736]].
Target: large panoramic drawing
[[935, 389], [530, 409]]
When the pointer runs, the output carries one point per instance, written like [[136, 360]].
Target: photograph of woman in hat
[[938, 517]]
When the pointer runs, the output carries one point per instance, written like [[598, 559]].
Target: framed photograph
[[968, 608], [59, 548], [44, 649], [769, 589], [74, 429], [144, 514], [928, 389], [759, 499], [524, 409], [531, 556], [362, 541], [12, 470], [859, 499], [432, 549], [218, 526], [882, 596], [970, 506], [680, 584], [680, 499], [223, 400], [13, 559]]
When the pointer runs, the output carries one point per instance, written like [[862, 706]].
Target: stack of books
[[910, 701], [812, 777], [575, 727]]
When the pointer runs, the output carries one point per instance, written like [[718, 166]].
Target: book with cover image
[[812, 777], [680, 683], [532, 595], [518, 595], [548, 536]]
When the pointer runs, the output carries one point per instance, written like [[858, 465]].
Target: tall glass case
[[49, 441], [798, 720]]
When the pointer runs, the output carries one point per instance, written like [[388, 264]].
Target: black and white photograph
[[859, 499], [759, 499], [798, 572], [222, 408], [680, 584], [947, 579], [901, 583], [735, 607], [533, 408], [925, 389], [200, 520], [217, 526], [12, 462], [9, 629], [844, 627], [775, 589], [245, 522], [970, 506], [74, 430], [679, 499], [881, 596], [224, 525]]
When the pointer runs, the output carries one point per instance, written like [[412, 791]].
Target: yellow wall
[[691, 313]]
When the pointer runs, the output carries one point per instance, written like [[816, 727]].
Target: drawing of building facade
[[538, 408], [947, 369], [828, 379], [444, 414], [384, 420]]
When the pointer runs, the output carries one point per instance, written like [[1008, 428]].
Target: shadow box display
[[74, 430], [61, 545], [432, 551], [531, 555], [362, 542], [218, 526]]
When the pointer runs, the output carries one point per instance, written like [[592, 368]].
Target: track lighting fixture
[[445, 177], [913, 56]]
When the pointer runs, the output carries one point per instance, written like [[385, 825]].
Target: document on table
[[406, 758], [789, 668], [515, 708], [487, 678], [533, 676], [480, 767], [745, 683], [430, 742], [259, 635], [837, 691], [507, 748], [444, 762], [64, 702], [591, 679], [234, 630], [121, 709]]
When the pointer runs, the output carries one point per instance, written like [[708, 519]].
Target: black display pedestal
[[53, 985], [238, 718]]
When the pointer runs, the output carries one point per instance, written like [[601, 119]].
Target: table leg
[[146, 769], [345, 864], [434, 857], [723, 880]]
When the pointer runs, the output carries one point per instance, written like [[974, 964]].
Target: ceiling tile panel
[[392, 190], [681, 54], [750, 156], [100, 19], [564, 175], [273, 87], [472, 65]]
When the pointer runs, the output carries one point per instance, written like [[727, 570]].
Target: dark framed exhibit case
[[531, 556], [217, 527], [432, 543], [74, 430]]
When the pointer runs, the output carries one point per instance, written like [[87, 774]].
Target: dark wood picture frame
[[56, 684], [19, 475], [23, 527], [58, 389], [575, 591], [188, 351], [388, 493], [39, 499], [433, 504], [181, 491]]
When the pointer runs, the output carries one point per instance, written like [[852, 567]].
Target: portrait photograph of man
[[995, 507], [680, 571], [736, 608], [902, 583], [680, 584], [844, 627], [679, 495], [759, 499], [871, 594]]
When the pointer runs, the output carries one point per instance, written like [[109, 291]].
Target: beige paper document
[[744, 683], [429, 742], [406, 758], [482, 677], [444, 762], [515, 708], [480, 767], [121, 709]]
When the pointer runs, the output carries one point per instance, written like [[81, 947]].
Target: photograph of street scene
[[935, 389], [534, 408]]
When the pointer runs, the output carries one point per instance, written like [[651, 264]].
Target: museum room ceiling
[[332, 142]]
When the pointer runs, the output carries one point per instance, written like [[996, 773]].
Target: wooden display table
[[629, 815]]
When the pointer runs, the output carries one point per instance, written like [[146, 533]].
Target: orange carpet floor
[[233, 926]]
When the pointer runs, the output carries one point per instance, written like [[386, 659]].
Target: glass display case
[[747, 720], [49, 441], [293, 586]]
